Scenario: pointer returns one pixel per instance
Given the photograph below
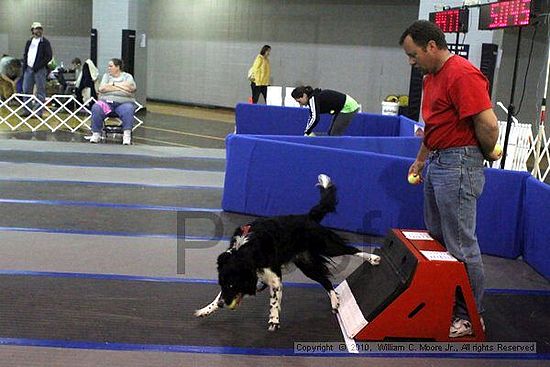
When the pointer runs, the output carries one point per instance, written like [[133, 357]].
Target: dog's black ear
[[238, 232], [223, 258]]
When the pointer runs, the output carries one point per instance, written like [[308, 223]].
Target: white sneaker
[[96, 138], [461, 327], [127, 137]]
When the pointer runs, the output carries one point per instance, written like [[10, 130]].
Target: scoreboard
[[504, 14], [451, 20]]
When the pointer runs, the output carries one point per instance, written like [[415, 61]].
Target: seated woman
[[116, 95]]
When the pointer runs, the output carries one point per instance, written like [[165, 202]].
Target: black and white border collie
[[260, 249]]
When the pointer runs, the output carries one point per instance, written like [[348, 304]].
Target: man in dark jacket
[[38, 53]]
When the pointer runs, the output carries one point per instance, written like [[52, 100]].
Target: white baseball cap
[[36, 25]]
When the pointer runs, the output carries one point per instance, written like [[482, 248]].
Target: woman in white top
[[116, 95]]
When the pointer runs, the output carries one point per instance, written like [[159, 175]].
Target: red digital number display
[[447, 20], [451, 20], [505, 14]]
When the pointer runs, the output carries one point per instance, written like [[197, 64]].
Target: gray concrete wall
[[199, 51], [110, 17], [4, 39], [66, 24], [138, 21], [4, 43]]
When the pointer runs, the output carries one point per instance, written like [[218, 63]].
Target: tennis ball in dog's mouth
[[234, 303]]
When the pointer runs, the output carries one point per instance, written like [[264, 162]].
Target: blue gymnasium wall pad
[[407, 126], [268, 177], [500, 213], [258, 119], [275, 175], [536, 251], [399, 146]]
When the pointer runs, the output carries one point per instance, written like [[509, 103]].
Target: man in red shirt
[[461, 130]]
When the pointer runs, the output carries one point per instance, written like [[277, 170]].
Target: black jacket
[[43, 54], [323, 101]]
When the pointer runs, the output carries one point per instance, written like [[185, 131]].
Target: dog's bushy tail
[[328, 201]]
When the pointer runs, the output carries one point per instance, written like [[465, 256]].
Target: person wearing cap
[[38, 52]]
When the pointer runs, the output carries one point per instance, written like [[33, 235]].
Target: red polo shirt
[[451, 97]]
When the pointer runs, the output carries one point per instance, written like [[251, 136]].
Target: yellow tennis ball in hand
[[414, 179]]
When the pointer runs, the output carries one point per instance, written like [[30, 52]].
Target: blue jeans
[[454, 181], [30, 78], [125, 111]]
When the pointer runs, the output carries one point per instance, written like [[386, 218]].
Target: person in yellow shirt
[[259, 74]]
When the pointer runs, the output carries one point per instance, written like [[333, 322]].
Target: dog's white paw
[[374, 259], [334, 301], [371, 258], [273, 326], [324, 180], [205, 311]]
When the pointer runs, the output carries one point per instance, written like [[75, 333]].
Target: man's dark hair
[[422, 32]]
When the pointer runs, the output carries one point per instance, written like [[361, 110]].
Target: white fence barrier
[[57, 111], [520, 144], [541, 153]]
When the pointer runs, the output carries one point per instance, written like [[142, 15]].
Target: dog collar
[[245, 230], [241, 239]]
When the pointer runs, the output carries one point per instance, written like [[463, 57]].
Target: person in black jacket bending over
[[340, 105], [38, 53]]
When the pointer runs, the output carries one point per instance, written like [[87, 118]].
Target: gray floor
[[58, 192]]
